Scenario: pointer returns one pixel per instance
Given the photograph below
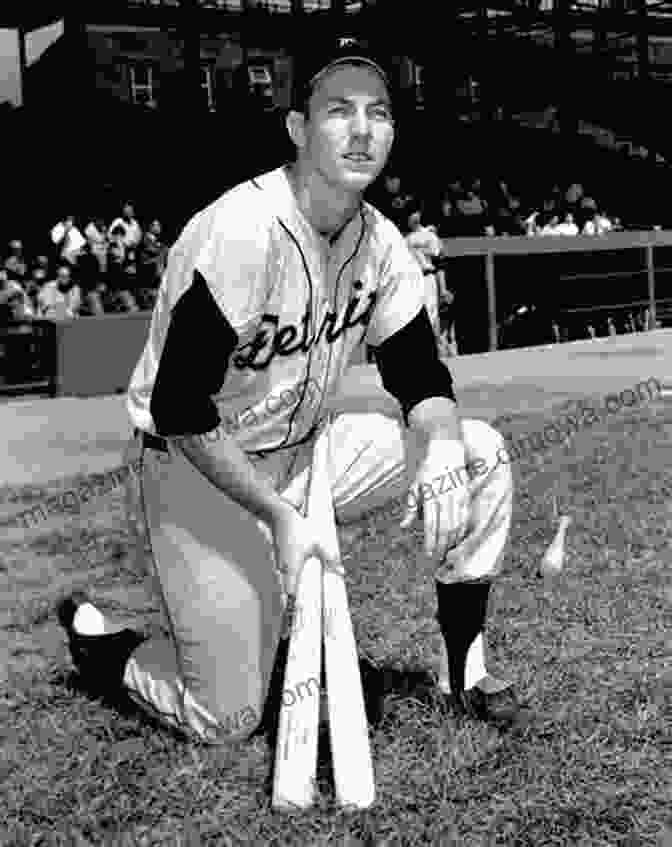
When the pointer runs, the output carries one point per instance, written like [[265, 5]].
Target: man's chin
[[358, 180]]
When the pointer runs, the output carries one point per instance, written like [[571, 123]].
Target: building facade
[[243, 54]]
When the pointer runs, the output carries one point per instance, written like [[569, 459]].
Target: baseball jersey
[[297, 306]]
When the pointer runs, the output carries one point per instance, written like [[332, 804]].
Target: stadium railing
[[626, 271], [28, 358]]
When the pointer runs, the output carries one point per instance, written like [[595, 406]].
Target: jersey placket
[[324, 305]]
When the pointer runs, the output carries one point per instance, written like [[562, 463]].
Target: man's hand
[[296, 539], [441, 491]]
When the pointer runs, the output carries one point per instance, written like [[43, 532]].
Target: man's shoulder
[[384, 231], [245, 210]]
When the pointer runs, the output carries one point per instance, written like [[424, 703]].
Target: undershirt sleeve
[[188, 374], [413, 343]]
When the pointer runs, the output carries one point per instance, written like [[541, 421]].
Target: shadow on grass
[[383, 687]]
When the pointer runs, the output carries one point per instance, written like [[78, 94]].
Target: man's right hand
[[296, 539]]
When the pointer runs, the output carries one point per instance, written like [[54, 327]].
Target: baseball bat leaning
[[296, 747], [348, 727], [554, 557], [322, 610]]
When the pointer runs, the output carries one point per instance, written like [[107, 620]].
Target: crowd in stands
[[471, 208], [102, 268]]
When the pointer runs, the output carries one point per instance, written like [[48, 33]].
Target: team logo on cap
[[346, 42]]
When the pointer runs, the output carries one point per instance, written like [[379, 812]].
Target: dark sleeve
[[193, 364], [410, 366]]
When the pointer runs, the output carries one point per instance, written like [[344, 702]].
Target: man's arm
[[425, 389], [183, 410]]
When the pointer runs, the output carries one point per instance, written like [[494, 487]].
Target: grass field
[[590, 649]]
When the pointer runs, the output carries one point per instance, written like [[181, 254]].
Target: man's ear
[[296, 127]]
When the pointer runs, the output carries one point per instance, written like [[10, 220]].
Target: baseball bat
[[296, 747], [348, 726], [554, 557]]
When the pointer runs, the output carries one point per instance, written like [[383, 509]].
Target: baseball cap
[[327, 54]]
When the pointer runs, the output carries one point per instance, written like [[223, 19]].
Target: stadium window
[[208, 87], [261, 85], [417, 82], [142, 81]]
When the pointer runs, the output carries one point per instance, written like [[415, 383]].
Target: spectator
[[448, 226], [551, 227], [60, 298], [507, 219], [97, 239], [42, 264], [603, 223], [393, 202], [69, 240], [131, 228], [471, 209], [91, 283], [574, 194], [121, 281], [116, 260], [567, 227], [14, 303], [586, 211], [599, 224], [15, 263], [33, 286], [549, 211], [129, 291], [447, 337], [531, 225], [425, 245], [516, 222], [152, 257]]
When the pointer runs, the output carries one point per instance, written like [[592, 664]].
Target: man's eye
[[382, 113], [337, 110]]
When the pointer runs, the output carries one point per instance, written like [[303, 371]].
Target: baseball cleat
[[99, 658], [500, 708]]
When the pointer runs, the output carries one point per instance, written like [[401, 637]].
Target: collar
[[280, 193]]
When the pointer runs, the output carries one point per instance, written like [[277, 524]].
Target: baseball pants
[[212, 565]]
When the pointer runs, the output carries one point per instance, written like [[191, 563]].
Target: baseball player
[[267, 294]]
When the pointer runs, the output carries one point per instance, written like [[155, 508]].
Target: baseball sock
[[462, 609]]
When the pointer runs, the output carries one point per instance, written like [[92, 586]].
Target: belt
[[153, 442]]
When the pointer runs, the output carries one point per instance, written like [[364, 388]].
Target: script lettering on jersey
[[274, 340]]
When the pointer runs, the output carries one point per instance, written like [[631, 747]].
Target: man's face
[[393, 184], [349, 131], [414, 220], [127, 211], [63, 276]]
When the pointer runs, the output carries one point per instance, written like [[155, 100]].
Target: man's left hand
[[441, 491]]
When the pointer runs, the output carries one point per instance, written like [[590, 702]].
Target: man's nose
[[361, 125]]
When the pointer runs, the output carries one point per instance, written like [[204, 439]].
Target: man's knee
[[485, 447]]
